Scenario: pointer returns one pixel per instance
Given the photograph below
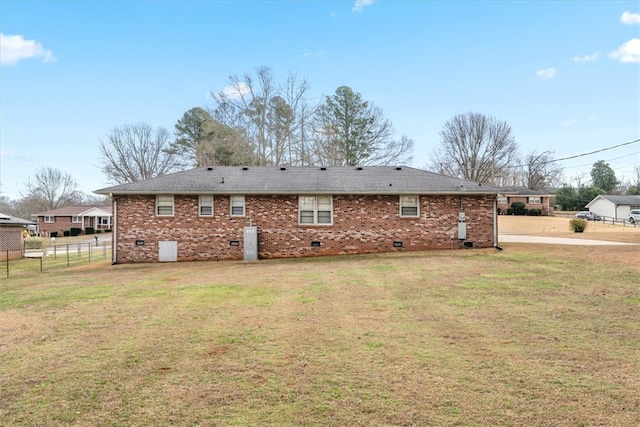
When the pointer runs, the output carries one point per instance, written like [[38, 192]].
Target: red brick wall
[[546, 204], [61, 224], [361, 224]]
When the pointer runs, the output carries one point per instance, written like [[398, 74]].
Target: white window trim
[[503, 200], [232, 205], [165, 203], [76, 219], [535, 200], [417, 206], [315, 212], [201, 205], [49, 219]]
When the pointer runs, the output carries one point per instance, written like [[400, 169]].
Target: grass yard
[[533, 335]]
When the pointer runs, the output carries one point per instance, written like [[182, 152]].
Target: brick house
[[206, 213], [12, 232], [532, 199], [63, 219]]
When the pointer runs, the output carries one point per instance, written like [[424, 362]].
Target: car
[[589, 216], [634, 216]]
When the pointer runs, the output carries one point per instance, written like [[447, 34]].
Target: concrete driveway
[[519, 238]]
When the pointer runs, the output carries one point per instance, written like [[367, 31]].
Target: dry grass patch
[[527, 336], [559, 227]]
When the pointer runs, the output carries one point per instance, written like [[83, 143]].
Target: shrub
[[53, 234], [66, 233], [107, 230], [88, 230], [518, 208], [75, 231], [33, 243], [535, 212], [98, 231], [578, 225]]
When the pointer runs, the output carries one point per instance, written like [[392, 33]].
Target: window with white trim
[[409, 206], [237, 205], [205, 206], [315, 210], [534, 200], [76, 219], [164, 205], [503, 200], [49, 219], [104, 220]]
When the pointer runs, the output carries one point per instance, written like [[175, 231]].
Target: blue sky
[[564, 74]]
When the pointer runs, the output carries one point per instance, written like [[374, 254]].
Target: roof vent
[[398, 168], [323, 168], [359, 168], [283, 169], [245, 168], [209, 168]]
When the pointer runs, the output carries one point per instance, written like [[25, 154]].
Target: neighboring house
[[12, 231], [227, 213], [63, 219], [616, 207], [532, 199]]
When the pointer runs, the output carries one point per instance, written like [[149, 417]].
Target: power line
[[606, 160], [594, 152]]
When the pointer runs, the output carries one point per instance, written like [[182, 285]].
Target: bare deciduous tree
[[271, 118], [475, 147], [538, 171], [50, 189], [135, 152]]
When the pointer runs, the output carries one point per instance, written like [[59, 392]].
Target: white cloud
[[361, 4], [571, 122], [15, 48], [630, 18], [629, 52], [587, 58], [237, 91], [547, 73]]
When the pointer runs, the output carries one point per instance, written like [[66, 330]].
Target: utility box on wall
[[462, 230], [250, 243]]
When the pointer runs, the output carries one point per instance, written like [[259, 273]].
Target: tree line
[[261, 122]]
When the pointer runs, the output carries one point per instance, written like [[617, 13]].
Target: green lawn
[[545, 336]]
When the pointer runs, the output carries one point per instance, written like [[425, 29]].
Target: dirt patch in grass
[[524, 336], [559, 227]]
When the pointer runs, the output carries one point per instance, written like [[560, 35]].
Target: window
[[164, 205], [502, 200], [76, 219], [534, 200], [409, 206], [237, 205], [49, 219], [315, 210], [205, 206]]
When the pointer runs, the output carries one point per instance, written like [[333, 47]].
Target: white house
[[616, 207]]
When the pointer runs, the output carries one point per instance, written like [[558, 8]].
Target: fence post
[[90, 251], [7, 263], [67, 255]]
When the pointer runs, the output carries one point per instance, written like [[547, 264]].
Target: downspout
[[114, 237], [495, 224]]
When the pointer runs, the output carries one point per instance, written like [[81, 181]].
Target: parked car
[[589, 216], [634, 216]]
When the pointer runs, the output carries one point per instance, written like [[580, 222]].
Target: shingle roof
[[527, 192], [303, 180], [8, 220], [619, 200], [72, 210]]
